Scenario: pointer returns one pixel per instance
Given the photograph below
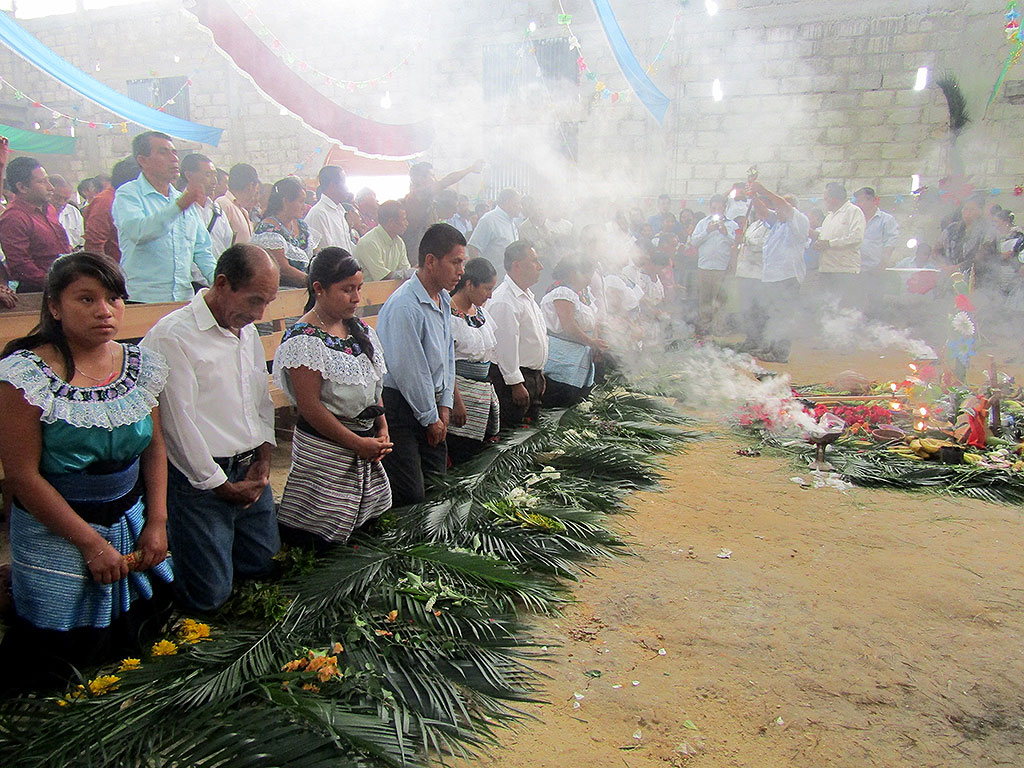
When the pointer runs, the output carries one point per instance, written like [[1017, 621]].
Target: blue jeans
[[214, 541]]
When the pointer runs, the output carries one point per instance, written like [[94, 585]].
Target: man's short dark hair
[[439, 240], [865, 191], [124, 171], [717, 199], [506, 196], [516, 251], [665, 196], [237, 262], [241, 177], [388, 211], [19, 171], [85, 185], [190, 163], [836, 191], [330, 175], [141, 144], [420, 169]]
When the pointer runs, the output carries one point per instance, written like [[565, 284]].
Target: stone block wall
[[813, 91]]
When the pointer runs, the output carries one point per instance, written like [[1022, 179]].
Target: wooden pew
[[139, 318]]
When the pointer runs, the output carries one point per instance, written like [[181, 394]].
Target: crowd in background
[[116, 452]]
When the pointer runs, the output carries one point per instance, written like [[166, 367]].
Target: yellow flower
[[164, 648], [293, 666], [192, 631], [393, 616], [62, 702], [104, 684], [312, 688], [337, 648], [129, 664]]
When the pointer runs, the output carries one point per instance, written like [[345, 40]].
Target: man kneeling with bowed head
[[219, 429]]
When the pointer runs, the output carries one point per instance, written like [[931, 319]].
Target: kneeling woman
[[475, 413], [330, 364], [85, 461], [572, 330]]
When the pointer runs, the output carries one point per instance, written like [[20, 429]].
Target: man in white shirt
[[838, 241], [496, 230], [242, 196], [218, 421], [522, 337], [199, 170], [67, 212], [326, 219]]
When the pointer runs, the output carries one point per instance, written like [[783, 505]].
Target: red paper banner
[[272, 76]]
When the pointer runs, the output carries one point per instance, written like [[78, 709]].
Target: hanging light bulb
[[385, 100], [912, 243], [711, 6], [533, 26]]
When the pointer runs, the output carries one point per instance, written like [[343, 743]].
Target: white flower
[[585, 407], [963, 324]]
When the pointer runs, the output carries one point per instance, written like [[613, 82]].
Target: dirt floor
[[857, 628]]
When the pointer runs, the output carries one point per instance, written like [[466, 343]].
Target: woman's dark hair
[[477, 271], [332, 265], [63, 273], [289, 188]]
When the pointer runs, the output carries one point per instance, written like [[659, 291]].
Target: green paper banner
[[38, 143]]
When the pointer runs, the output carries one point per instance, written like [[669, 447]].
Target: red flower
[[964, 304]]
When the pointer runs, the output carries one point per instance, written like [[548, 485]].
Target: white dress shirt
[[71, 219], [217, 399], [493, 233], [221, 234], [328, 226], [843, 228], [520, 330]]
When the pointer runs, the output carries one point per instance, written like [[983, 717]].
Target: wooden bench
[[139, 318]]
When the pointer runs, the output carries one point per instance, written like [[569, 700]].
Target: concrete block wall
[[813, 91]]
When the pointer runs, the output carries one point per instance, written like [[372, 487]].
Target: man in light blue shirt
[[881, 232], [714, 238], [414, 327], [783, 271], [496, 230], [160, 231]]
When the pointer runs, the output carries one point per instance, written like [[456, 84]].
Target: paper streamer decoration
[[648, 93], [37, 54], [278, 82], [38, 143], [1015, 34]]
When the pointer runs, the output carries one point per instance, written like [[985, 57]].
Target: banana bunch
[[927, 447]]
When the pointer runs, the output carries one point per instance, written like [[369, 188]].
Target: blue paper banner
[[34, 52], [648, 93]]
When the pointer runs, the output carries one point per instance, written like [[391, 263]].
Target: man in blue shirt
[[419, 387], [714, 237], [161, 231], [784, 270]]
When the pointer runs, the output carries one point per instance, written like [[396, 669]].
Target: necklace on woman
[[109, 373], [324, 323]]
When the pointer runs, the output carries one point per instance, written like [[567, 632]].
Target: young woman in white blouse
[[331, 365], [475, 417], [571, 318]]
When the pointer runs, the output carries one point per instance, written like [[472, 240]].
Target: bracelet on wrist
[[102, 549]]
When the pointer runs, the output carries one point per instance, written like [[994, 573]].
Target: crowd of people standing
[[119, 453]]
